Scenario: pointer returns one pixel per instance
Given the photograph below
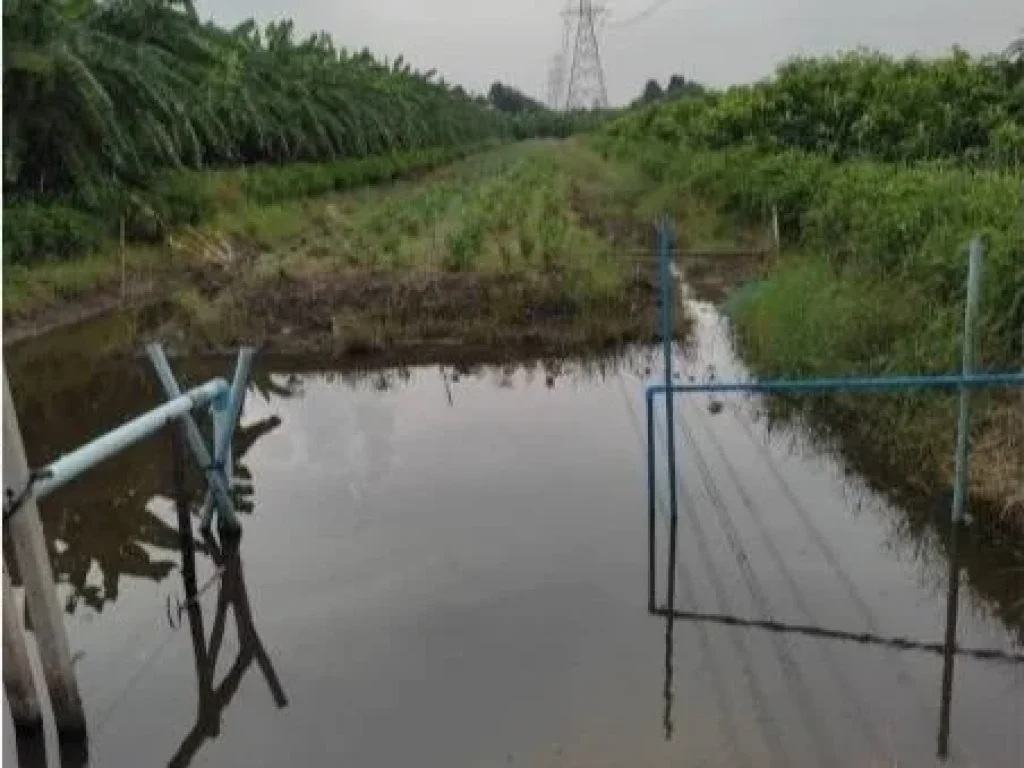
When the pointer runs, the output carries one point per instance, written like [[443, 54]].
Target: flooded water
[[447, 566]]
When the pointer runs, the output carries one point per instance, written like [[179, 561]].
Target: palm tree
[[101, 93]]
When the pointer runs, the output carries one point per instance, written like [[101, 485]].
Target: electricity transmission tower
[[586, 88]]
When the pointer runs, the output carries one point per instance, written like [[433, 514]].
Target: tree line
[[104, 92], [956, 108]]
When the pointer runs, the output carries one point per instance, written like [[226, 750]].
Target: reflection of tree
[[103, 520]]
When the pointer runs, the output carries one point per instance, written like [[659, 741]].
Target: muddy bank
[[105, 300], [361, 312]]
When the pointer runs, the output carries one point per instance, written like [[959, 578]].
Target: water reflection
[[229, 579], [214, 697], [949, 647], [102, 528], [918, 518], [33, 752]]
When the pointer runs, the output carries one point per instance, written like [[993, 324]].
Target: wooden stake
[[124, 265], [21, 691], [775, 231], [26, 532]]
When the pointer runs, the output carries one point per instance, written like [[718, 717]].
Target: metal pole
[[225, 421], [960, 482], [26, 533], [214, 478], [236, 399], [18, 684], [221, 457], [68, 467]]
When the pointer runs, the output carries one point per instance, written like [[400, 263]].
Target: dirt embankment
[[362, 311]]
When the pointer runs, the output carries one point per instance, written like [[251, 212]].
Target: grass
[[872, 283], [808, 320], [260, 204], [510, 246], [26, 290]]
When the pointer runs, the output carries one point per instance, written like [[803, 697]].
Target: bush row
[[58, 231], [889, 223], [858, 105]]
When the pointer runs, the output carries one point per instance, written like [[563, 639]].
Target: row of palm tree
[[104, 91]]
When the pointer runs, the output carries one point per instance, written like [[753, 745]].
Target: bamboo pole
[[18, 685], [26, 533]]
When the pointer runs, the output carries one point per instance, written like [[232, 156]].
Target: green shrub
[[903, 225], [183, 198], [34, 232], [856, 105], [463, 246]]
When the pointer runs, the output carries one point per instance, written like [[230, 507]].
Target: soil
[[363, 311], [53, 317]]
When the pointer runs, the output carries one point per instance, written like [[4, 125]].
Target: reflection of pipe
[[71, 465], [651, 499], [850, 383], [949, 650], [669, 691], [214, 699], [866, 638]]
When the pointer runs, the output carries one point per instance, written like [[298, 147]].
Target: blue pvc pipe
[[963, 429], [852, 383], [70, 466], [225, 421], [215, 478]]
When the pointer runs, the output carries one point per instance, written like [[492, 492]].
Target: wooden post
[[775, 231], [26, 532], [21, 691], [124, 265]]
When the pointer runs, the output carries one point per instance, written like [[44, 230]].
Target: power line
[[645, 13]]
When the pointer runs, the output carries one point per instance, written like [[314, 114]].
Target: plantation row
[[112, 90], [58, 231], [104, 99], [859, 105]]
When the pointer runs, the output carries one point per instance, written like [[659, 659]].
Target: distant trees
[[858, 105], [505, 98], [652, 92], [678, 87]]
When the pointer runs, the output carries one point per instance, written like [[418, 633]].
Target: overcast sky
[[475, 42]]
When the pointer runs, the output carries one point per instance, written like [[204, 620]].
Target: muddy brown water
[[445, 565]]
